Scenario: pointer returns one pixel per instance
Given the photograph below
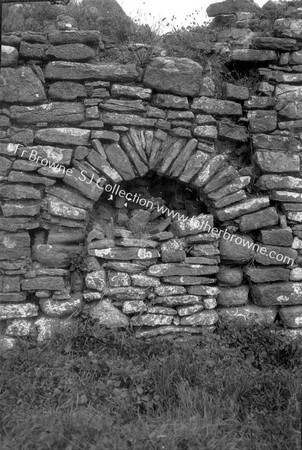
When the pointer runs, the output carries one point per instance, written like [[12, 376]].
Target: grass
[[103, 390]]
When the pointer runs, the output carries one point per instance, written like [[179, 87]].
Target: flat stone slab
[[275, 182], [277, 294], [276, 143], [126, 293], [216, 107], [52, 113], [203, 290], [125, 254], [62, 136], [124, 267], [43, 283], [63, 70], [60, 208], [166, 291], [167, 270], [18, 192], [141, 280], [168, 329], [246, 206], [136, 92], [71, 52], [251, 55], [248, 315], [267, 274], [188, 281]]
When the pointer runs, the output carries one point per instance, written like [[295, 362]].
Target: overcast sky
[[166, 8]]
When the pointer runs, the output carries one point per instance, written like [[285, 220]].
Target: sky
[[151, 11]]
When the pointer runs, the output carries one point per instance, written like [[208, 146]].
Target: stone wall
[[71, 125]]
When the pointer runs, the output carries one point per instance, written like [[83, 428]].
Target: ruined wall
[[71, 125]]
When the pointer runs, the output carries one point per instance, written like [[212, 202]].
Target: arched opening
[[152, 260]]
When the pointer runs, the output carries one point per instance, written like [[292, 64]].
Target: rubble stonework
[[74, 131]]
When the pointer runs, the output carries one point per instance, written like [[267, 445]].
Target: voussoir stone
[[64, 70], [30, 88], [179, 76]]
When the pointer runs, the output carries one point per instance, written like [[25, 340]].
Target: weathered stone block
[[237, 250], [291, 316], [213, 106], [96, 280], [134, 307], [277, 162], [173, 251], [288, 28], [278, 236], [126, 293], [264, 218], [71, 52], [248, 315], [246, 206], [233, 296], [230, 275], [275, 182], [9, 56], [144, 281], [14, 246], [125, 254], [166, 291], [178, 300], [60, 208], [230, 131], [234, 92], [108, 315], [262, 121], [277, 294], [179, 76], [119, 279], [43, 283], [63, 136], [59, 112], [181, 269], [273, 255], [66, 91], [30, 88], [18, 311], [59, 308], [16, 208]]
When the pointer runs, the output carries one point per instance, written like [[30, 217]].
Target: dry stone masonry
[[76, 131]]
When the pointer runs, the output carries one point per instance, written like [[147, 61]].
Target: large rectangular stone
[[220, 107], [168, 270], [270, 182], [62, 70], [273, 255], [276, 143], [277, 294], [264, 218], [58, 207], [43, 284], [277, 236], [58, 156], [70, 196], [267, 274], [286, 196], [52, 113], [277, 162], [127, 120], [62, 136]]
